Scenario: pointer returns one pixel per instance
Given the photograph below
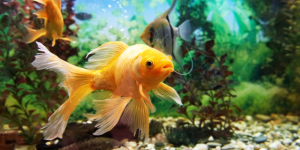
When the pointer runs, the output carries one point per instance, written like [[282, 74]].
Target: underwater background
[[250, 64]]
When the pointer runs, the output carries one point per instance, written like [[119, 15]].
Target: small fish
[[83, 16], [161, 35], [53, 23], [124, 74]]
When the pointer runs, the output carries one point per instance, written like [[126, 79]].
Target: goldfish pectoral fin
[[33, 34], [70, 38], [110, 50], [108, 113], [136, 115], [58, 3], [147, 99], [185, 31], [42, 13], [163, 91]]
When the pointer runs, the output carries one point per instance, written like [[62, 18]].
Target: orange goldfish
[[124, 74], [53, 23]]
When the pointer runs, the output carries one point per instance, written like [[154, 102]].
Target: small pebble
[[260, 139], [210, 138], [48, 143], [89, 122], [56, 141], [201, 147]]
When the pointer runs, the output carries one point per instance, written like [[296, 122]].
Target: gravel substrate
[[275, 132]]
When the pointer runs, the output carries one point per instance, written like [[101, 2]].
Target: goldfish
[[53, 23], [123, 75], [161, 35]]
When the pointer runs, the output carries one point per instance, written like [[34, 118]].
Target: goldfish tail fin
[[108, 113], [33, 34], [136, 115], [41, 1], [77, 81], [185, 31]]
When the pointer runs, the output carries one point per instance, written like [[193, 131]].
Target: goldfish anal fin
[[104, 55], [163, 91], [108, 113], [58, 3], [146, 98], [136, 115], [42, 13], [33, 34], [76, 80], [54, 37]]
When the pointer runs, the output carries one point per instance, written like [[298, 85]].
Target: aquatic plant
[[210, 77], [29, 96]]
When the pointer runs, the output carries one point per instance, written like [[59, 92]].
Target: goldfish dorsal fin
[[58, 3], [104, 55], [42, 13], [163, 91], [169, 11]]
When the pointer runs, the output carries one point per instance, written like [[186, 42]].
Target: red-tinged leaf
[[12, 65], [9, 85], [182, 110], [223, 58], [185, 99], [21, 80], [213, 103], [53, 85], [49, 114], [217, 86], [230, 111], [218, 94], [31, 111], [238, 108], [209, 45], [35, 116], [63, 93], [6, 93], [224, 68], [228, 73], [186, 87], [184, 50]]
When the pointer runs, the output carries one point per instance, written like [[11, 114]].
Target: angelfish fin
[[177, 55], [105, 54], [33, 34], [185, 31], [108, 113], [42, 13], [163, 91], [170, 10], [146, 98], [136, 116]]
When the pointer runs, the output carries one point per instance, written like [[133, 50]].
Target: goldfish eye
[[149, 64]]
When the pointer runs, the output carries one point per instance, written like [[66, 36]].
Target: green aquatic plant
[[210, 78], [28, 96]]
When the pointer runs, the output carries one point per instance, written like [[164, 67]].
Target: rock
[[218, 148], [210, 138], [287, 142], [213, 144], [263, 118], [249, 118], [159, 144], [286, 126], [201, 147], [249, 147], [276, 145], [294, 119], [229, 146], [241, 145], [260, 139]]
